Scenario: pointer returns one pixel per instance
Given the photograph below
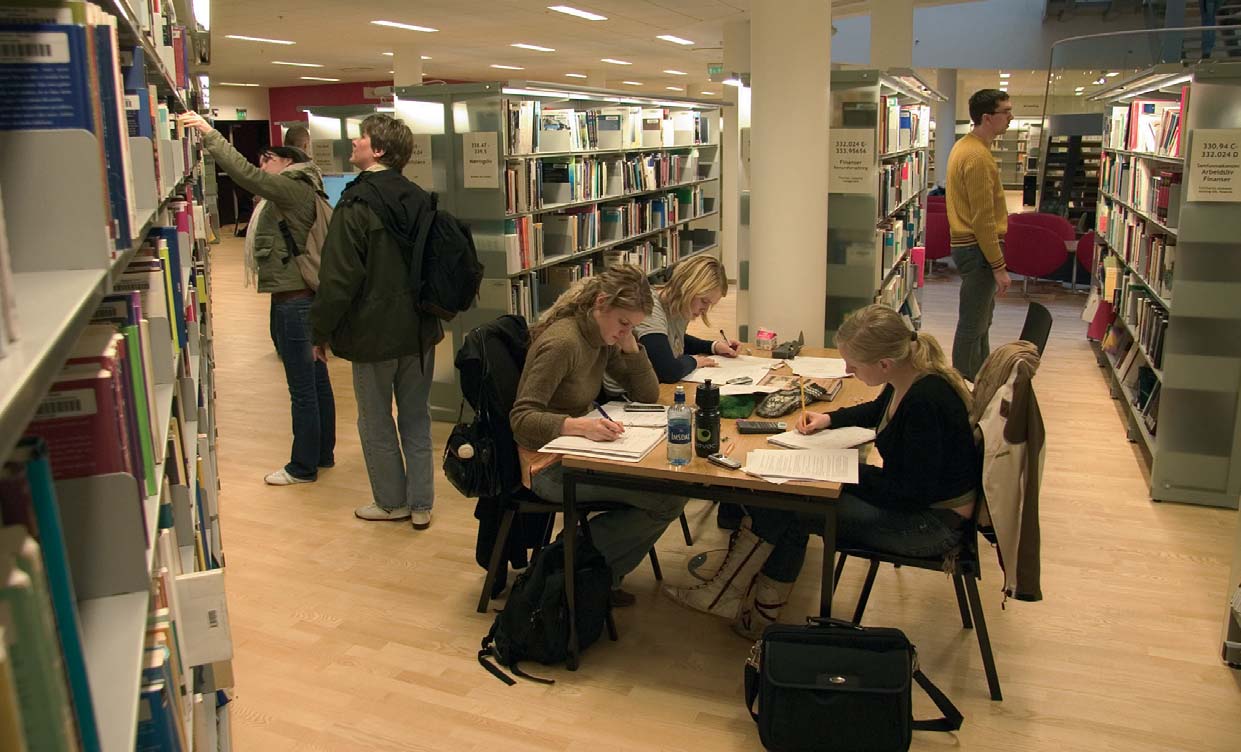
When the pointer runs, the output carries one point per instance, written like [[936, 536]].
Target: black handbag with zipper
[[832, 685]]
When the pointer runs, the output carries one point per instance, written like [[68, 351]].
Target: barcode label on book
[[68, 404], [213, 618], [33, 47]]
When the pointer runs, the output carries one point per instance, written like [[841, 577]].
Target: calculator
[[761, 426]]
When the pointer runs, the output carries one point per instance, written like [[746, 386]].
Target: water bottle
[[707, 421], [680, 430]]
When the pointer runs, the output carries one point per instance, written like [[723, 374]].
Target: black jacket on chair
[[489, 363]]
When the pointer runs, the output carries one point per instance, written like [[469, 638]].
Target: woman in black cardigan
[[915, 505]]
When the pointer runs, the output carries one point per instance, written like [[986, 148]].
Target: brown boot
[[722, 594], [761, 606]]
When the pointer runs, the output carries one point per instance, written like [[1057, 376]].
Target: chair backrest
[[1085, 251], [489, 364], [1037, 326], [1033, 251], [938, 236], [1055, 223]]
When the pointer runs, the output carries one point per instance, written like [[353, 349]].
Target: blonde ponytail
[[926, 356]]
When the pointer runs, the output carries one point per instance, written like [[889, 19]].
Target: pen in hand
[[620, 428], [727, 342]]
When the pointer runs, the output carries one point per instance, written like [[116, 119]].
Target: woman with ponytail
[[587, 332], [919, 501]]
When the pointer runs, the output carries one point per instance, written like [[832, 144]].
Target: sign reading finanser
[[852, 161], [479, 153], [1214, 172]]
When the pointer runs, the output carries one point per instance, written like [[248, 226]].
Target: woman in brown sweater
[[589, 331]]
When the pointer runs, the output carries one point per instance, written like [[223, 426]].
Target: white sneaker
[[420, 519], [376, 512], [282, 478]]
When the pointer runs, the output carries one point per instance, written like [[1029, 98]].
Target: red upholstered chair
[[1085, 253], [936, 203], [938, 239], [1032, 251], [1057, 224]]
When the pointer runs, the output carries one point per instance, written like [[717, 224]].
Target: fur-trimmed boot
[[722, 594], [761, 606]]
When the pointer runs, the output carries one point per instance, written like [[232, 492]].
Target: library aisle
[[362, 636]]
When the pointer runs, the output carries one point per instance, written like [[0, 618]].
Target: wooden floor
[[359, 636]]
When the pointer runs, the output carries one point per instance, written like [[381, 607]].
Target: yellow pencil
[[801, 385]]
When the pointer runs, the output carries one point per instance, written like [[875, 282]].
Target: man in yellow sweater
[[978, 219]]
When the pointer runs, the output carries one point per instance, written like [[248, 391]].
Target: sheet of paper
[[836, 465], [818, 368], [832, 438], [742, 366], [616, 411], [631, 446]]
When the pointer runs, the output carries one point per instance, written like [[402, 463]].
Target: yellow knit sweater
[[977, 212]]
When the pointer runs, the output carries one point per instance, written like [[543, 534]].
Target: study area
[[640, 376]]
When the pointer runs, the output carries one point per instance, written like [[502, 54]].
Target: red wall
[[285, 102]]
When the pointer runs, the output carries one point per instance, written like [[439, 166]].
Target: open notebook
[[634, 444], [832, 438], [616, 411]]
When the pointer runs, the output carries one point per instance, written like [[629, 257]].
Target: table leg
[[828, 586], [570, 548]]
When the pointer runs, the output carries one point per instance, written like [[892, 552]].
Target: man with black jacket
[[367, 310]]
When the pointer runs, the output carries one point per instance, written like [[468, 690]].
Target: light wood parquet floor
[[357, 636]]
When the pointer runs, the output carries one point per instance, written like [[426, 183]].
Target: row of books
[[1147, 321], [1140, 385], [1144, 247], [555, 280], [1147, 187], [900, 180], [533, 126], [535, 184], [902, 126], [1152, 126]]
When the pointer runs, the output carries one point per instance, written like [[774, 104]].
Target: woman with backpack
[[288, 183], [588, 331]]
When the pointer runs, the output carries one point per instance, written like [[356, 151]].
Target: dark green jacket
[[290, 195], [365, 308]]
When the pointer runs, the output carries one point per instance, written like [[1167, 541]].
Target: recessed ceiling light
[[579, 13], [318, 78], [1078, 94], [1080, 88], [676, 73], [576, 75], [407, 27], [507, 67], [534, 47], [632, 83], [614, 61], [299, 65], [707, 93], [389, 54], [257, 39], [674, 88], [1005, 75], [735, 82], [1113, 73], [231, 83], [674, 40]]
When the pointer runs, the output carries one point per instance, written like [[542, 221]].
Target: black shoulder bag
[[831, 685]]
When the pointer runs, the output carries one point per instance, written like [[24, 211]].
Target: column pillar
[[892, 37], [407, 62], [790, 50], [734, 172], [945, 122]]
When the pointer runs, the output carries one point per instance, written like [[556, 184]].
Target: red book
[[104, 346], [82, 421]]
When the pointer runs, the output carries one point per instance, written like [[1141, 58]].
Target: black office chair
[[1037, 326]]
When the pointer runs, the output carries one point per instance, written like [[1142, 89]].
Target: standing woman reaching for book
[[694, 287], [287, 182], [587, 331], [917, 504]]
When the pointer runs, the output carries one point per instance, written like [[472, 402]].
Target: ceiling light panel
[[407, 27], [231, 83], [674, 40], [576, 75], [632, 83], [299, 65], [614, 61], [318, 78], [257, 39], [507, 67], [583, 14], [676, 73], [535, 47]]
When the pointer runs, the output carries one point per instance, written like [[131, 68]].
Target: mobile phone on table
[[642, 407], [722, 461]]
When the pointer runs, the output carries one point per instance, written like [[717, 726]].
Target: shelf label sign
[[1215, 165], [479, 154], [852, 167], [418, 168]]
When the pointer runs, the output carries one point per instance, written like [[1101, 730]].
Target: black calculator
[[761, 426]]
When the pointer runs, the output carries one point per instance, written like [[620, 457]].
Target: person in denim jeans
[[286, 181], [977, 221]]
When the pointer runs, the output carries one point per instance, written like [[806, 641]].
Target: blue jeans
[[859, 524], [310, 390], [972, 343], [401, 470]]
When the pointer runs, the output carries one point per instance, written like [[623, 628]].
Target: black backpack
[[534, 624], [450, 274]]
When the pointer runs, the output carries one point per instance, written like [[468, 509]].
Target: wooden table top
[[655, 464]]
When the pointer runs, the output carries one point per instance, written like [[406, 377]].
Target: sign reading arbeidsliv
[[1214, 172], [852, 161], [480, 156]]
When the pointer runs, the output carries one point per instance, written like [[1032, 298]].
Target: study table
[[702, 480]]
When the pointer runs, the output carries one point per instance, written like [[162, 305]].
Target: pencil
[[725, 336], [801, 386]]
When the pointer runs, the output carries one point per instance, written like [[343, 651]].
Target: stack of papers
[[616, 412], [818, 368], [742, 366], [832, 438], [778, 466], [630, 446]]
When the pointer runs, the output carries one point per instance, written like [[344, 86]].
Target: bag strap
[[751, 689], [952, 718]]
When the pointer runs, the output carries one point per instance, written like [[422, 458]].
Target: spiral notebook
[[631, 446]]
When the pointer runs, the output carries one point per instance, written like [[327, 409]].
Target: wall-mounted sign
[[852, 161], [419, 167], [1214, 172], [480, 156]]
